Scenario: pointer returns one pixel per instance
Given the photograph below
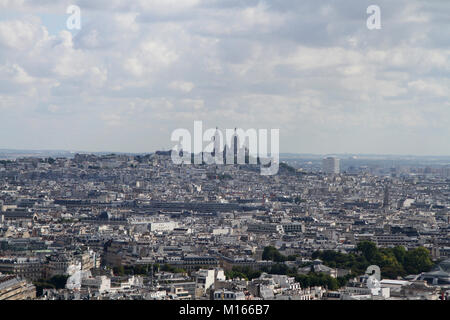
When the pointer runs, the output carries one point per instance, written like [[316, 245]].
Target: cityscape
[[224, 158], [139, 227]]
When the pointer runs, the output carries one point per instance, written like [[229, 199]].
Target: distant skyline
[[137, 70], [284, 155]]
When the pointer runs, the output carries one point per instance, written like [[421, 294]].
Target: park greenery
[[272, 254], [393, 262], [305, 280], [280, 268]]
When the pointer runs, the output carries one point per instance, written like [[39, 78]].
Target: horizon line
[[12, 150]]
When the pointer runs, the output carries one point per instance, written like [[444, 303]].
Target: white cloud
[[431, 87], [148, 67], [20, 35], [16, 74], [182, 86]]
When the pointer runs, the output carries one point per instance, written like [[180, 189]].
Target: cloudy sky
[[137, 70]]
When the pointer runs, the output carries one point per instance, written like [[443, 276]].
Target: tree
[[400, 253], [243, 272], [279, 268], [55, 282], [418, 260], [271, 253], [120, 270], [59, 281], [393, 262], [368, 249], [332, 283], [315, 255]]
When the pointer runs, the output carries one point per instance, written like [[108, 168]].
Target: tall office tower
[[331, 165]]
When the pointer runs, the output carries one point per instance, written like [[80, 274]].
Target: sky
[[138, 70]]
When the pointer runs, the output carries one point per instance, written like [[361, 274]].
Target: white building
[[331, 165], [99, 284], [205, 278], [163, 226]]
